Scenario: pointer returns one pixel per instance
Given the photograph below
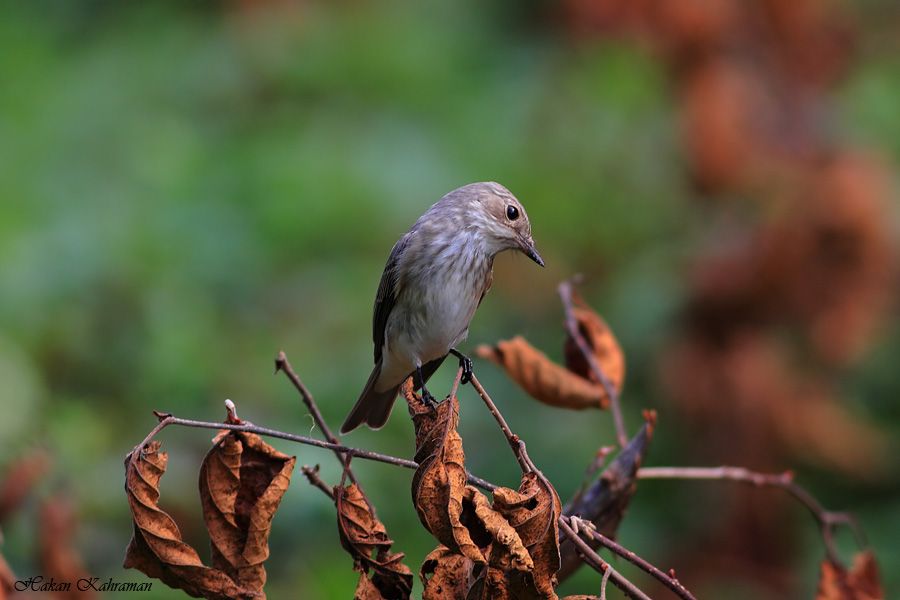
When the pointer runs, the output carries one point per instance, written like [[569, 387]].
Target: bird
[[435, 278]]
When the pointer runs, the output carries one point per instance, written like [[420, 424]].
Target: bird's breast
[[438, 303]]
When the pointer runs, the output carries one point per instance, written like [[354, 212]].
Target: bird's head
[[501, 218]]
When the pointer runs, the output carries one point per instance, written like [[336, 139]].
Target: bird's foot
[[428, 399], [466, 363]]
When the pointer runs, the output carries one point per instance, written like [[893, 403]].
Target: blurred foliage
[[186, 189]]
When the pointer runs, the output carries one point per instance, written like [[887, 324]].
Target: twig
[[565, 293], [600, 565], [312, 475], [166, 419], [603, 584], [528, 466], [826, 519], [512, 438], [282, 364], [667, 579]]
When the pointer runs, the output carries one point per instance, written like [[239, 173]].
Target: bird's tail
[[373, 408]]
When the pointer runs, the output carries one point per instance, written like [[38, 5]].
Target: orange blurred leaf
[[156, 548], [242, 481], [58, 558], [861, 582], [21, 476], [542, 378], [362, 534], [7, 579]]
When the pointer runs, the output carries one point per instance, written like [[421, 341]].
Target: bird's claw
[[466, 364], [428, 399]]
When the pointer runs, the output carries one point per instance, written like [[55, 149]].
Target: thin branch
[[166, 419], [312, 475], [512, 438], [666, 579], [282, 364], [593, 559], [528, 466], [565, 293], [603, 584], [826, 519]]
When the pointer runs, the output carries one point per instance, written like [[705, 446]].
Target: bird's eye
[[512, 213]]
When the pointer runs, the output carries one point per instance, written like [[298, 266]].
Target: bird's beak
[[528, 249]]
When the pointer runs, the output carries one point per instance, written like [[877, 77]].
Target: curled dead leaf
[[242, 481], [367, 541], [542, 378], [439, 483], [157, 548], [533, 510], [861, 582], [507, 550], [445, 575]]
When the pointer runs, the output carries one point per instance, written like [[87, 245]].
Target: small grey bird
[[435, 277]]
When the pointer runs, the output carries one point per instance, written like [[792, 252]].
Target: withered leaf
[[534, 512], [156, 548], [507, 549], [58, 557], [439, 482], [242, 481], [445, 575], [603, 343], [491, 584], [542, 378], [363, 536], [861, 582]]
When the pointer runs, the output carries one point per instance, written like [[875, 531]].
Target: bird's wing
[[387, 294]]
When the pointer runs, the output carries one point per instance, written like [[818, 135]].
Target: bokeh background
[[186, 188]]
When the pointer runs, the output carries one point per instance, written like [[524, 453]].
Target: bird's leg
[[466, 363], [427, 398]]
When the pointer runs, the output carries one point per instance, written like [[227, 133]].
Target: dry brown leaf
[[534, 512], [507, 550], [861, 582], [363, 535], [242, 481], [21, 476], [600, 338], [439, 483], [367, 590], [542, 378], [445, 575], [491, 584], [156, 548], [58, 559]]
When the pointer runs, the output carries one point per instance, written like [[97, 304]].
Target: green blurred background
[[187, 188]]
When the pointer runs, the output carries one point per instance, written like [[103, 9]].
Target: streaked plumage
[[435, 277]]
